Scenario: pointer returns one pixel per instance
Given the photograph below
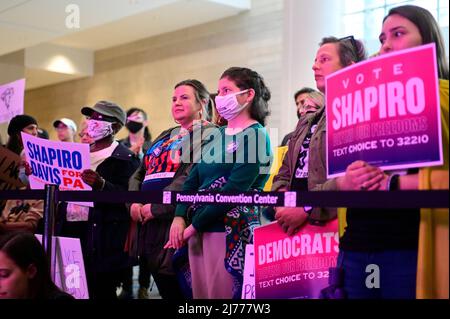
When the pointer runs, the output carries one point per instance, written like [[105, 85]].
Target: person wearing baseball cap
[[103, 227], [42, 133], [104, 120], [66, 129], [107, 110]]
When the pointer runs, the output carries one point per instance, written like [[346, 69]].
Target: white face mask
[[228, 105], [99, 129]]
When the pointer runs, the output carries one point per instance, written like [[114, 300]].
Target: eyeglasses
[[354, 45]]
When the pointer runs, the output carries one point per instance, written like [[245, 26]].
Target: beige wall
[[12, 68], [143, 73]]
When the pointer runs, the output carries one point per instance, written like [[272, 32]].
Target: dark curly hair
[[244, 79]]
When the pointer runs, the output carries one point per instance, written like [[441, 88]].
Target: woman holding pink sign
[[433, 259], [406, 27]]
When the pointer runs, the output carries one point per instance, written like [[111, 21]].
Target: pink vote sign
[[385, 111]]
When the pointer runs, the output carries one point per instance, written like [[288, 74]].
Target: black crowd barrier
[[50, 206], [360, 199]]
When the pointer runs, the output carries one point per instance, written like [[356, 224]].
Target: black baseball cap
[[106, 108]]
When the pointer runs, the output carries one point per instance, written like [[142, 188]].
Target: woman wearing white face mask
[[105, 225], [237, 160]]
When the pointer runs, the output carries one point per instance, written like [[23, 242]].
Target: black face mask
[[134, 127]]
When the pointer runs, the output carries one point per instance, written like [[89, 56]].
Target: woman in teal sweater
[[236, 160]]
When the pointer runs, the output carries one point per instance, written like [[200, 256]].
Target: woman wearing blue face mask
[[237, 160]]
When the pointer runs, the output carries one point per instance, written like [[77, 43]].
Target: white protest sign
[[248, 286], [57, 163], [11, 100], [69, 273]]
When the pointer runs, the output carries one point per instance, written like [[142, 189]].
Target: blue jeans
[[397, 274]]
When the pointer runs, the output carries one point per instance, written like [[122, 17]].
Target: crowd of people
[[197, 251]]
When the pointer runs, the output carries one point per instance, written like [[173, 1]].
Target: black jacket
[[152, 236], [104, 234]]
